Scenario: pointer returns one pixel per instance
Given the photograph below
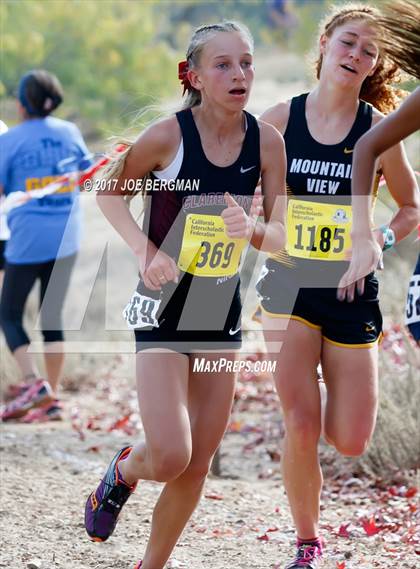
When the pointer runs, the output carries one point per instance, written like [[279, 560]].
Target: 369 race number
[[206, 249]]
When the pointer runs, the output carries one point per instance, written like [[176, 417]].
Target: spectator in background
[[4, 230], [44, 238], [281, 16]]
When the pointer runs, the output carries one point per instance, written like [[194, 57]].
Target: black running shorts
[[2, 249], [356, 324]]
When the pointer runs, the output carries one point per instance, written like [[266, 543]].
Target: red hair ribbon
[[183, 76]]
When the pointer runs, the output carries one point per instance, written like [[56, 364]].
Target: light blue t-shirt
[[33, 154]]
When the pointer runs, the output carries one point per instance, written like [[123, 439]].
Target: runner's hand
[[366, 254], [161, 270], [238, 224]]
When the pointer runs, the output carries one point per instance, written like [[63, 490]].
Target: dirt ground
[[242, 522]]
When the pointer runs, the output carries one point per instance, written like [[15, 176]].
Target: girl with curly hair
[[401, 40], [303, 311]]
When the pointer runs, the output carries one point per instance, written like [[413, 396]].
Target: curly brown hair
[[376, 89]]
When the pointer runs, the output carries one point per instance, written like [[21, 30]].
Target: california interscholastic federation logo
[[340, 216]]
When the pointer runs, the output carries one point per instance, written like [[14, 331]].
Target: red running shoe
[[16, 389], [38, 394], [48, 412]]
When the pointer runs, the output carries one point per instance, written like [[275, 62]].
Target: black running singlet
[[319, 189], [187, 224], [203, 309]]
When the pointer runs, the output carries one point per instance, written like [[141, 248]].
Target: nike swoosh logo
[[348, 150], [233, 332], [370, 328], [244, 170]]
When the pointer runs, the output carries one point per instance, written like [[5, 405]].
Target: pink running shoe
[[16, 389], [35, 396], [139, 564], [48, 412], [308, 556]]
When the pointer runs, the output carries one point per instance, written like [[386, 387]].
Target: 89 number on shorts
[[217, 256], [141, 311], [320, 239]]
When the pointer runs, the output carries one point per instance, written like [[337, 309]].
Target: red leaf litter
[[411, 492], [343, 532], [403, 491], [119, 424], [213, 496], [370, 527], [369, 515], [77, 423]]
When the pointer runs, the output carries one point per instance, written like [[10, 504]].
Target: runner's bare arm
[[153, 150], [384, 135], [150, 152], [278, 116], [271, 235], [382, 138], [402, 185]]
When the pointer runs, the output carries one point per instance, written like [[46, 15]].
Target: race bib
[[206, 250], [318, 230], [412, 311], [141, 311]]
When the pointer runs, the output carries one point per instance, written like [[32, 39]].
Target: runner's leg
[[351, 378], [210, 398], [296, 382]]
